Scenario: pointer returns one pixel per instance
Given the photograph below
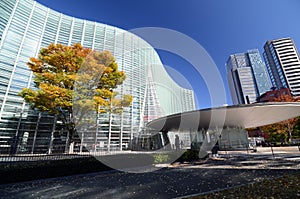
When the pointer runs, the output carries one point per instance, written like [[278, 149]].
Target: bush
[[161, 158], [172, 156], [189, 155]]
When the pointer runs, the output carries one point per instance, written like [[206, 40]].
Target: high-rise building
[[283, 64], [247, 77], [27, 26]]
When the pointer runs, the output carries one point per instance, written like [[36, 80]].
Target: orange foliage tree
[[282, 131], [64, 73]]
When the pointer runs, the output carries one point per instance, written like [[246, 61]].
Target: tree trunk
[[121, 133], [109, 131], [71, 140], [35, 132], [289, 131], [52, 135], [71, 132]]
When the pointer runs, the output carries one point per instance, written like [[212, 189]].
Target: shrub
[[189, 155], [161, 158]]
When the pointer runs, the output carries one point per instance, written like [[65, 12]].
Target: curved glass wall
[[27, 26]]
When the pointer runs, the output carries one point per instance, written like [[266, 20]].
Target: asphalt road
[[232, 169], [169, 182]]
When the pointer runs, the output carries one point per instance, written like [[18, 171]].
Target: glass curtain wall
[[27, 26]]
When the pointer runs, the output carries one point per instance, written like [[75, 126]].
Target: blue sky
[[222, 27]]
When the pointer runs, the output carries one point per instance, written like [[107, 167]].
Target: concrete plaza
[[230, 169]]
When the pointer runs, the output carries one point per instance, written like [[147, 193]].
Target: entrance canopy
[[243, 116]]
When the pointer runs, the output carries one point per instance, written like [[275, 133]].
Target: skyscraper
[[247, 77], [27, 26], [283, 64]]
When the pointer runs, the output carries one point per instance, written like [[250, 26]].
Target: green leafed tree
[[73, 76]]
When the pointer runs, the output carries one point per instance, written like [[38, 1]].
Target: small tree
[[278, 130], [296, 129], [68, 76]]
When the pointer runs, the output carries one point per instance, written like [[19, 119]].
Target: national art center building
[[27, 26]]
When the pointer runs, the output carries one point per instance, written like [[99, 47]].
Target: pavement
[[179, 180]]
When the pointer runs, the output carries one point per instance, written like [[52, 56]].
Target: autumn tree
[[73, 76], [282, 131], [296, 129]]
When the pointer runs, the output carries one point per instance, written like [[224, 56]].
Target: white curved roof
[[244, 116]]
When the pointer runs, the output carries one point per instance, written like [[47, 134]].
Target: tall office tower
[[247, 77], [27, 26], [283, 64]]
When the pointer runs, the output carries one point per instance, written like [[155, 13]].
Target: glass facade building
[[283, 64], [27, 26], [247, 77]]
